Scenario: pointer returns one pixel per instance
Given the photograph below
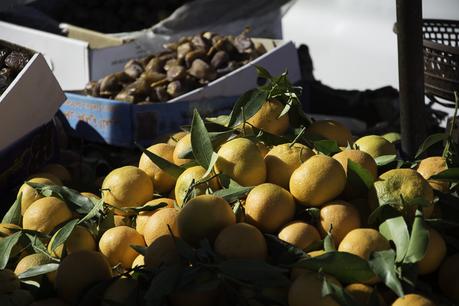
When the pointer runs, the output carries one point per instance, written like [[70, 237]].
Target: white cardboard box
[[30, 101]]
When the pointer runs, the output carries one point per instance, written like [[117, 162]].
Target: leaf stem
[[297, 137]]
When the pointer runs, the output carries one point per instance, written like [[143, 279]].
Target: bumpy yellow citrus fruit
[[431, 166], [190, 176], [263, 148], [363, 241], [29, 194], [116, 243], [361, 158], [269, 207], [159, 223], [413, 300], [435, 253], [58, 171], [143, 216], [162, 251], [267, 118], [318, 180], [300, 234], [45, 214], [316, 253], [448, 277], [204, 217], [176, 137], [138, 261], [80, 239], [331, 130], [127, 186], [241, 241], [306, 290], [34, 260], [162, 181], [282, 160], [46, 175], [242, 161], [362, 293], [340, 217], [119, 291], [78, 271], [408, 184], [182, 147], [375, 146]]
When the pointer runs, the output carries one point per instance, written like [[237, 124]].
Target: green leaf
[[418, 241], [82, 204], [139, 249], [39, 270], [327, 147], [201, 145], [329, 243], [430, 141], [163, 284], [233, 194], [247, 106], [61, 236], [383, 265], [385, 159], [450, 175], [136, 210], [382, 213], [270, 139], [165, 165], [358, 175], [256, 272], [281, 252], [337, 293], [346, 267], [395, 229], [263, 73], [13, 215], [6, 245], [95, 211]]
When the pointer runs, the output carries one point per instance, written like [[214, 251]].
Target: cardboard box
[[120, 123], [82, 56], [30, 101]]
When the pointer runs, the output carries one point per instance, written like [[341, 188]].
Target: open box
[[122, 124]]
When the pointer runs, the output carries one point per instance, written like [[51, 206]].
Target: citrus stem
[[297, 137]]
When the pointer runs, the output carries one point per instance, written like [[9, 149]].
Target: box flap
[[30, 101], [96, 40]]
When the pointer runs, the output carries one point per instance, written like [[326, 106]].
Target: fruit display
[[12, 61], [186, 64], [263, 206]]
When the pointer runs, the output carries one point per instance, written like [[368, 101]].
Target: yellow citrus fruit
[[375, 146], [448, 277], [116, 243], [29, 194], [143, 216], [48, 176], [331, 130], [176, 137], [269, 207], [435, 253], [158, 224], [318, 180], [58, 171], [267, 118], [190, 176], [282, 160], [9, 281], [127, 186], [340, 217], [241, 241], [162, 251], [362, 293], [316, 253], [363, 241], [119, 291], [431, 166], [402, 183], [240, 159], [204, 217], [182, 147], [162, 181], [263, 148], [362, 159], [54, 301], [413, 300], [80, 239], [300, 234], [78, 271], [306, 290], [34, 260], [138, 261], [121, 220], [45, 214]]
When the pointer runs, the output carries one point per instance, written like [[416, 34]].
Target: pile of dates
[[185, 65], [11, 63]]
